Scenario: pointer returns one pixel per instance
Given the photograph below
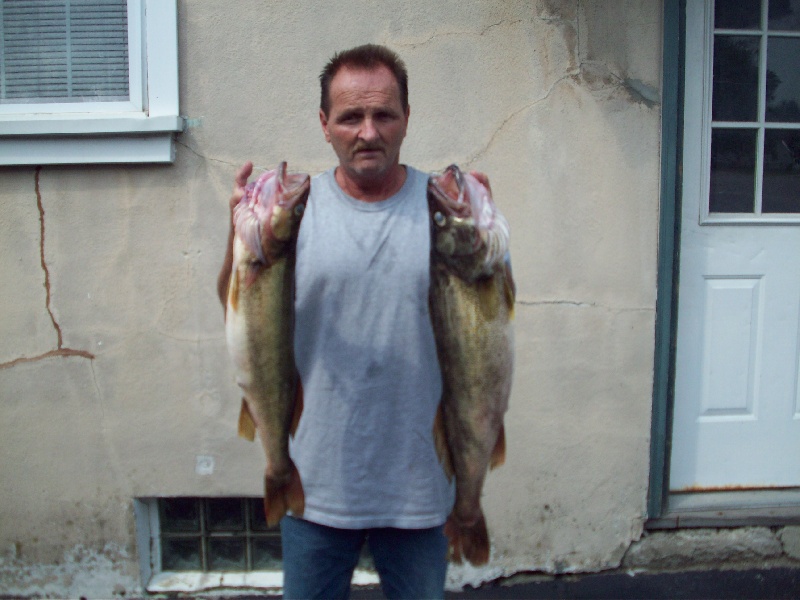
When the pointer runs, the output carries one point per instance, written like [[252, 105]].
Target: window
[[88, 81], [754, 171], [217, 534], [202, 543]]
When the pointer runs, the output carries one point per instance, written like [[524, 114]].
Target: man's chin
[[371, 170]]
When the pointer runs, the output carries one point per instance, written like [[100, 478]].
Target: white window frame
[[135, 131]]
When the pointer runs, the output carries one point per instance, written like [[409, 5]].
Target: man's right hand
[[239, 183]]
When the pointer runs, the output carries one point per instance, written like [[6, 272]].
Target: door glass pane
[[733, 160], [781, 188], [737, 14], [783, 79], [784, 15], [735, 93]]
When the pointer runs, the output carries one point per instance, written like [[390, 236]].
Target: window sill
[[193, 582], [87, 124], [89, 139]]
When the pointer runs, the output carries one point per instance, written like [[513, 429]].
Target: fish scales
[[471, 305], [259, 324]]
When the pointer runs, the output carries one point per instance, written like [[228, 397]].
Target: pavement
[[761, 584]]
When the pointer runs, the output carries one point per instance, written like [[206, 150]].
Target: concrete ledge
[[692, 548]]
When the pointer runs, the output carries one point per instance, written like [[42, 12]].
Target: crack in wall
[[436, 35], [477, 155], [60, 349], [580, 304], [40, 206], [204, 157]]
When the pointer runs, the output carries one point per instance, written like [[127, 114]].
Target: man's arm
[[238, 193]]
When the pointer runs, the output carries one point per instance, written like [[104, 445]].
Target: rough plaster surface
[[81, 573], [113, 371]]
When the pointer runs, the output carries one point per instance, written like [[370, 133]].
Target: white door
[[737, 410]]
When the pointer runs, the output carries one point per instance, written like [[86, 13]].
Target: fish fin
[[281, 497], [253, 270], [247, 427], [509, 288], [470, 542], [499, 452], [298, 407], [488, 297], [440, 443], [233, 293]]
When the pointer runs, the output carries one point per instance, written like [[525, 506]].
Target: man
[[365, 350]]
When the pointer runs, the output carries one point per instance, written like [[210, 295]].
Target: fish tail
[[281, 496], [469, 542]]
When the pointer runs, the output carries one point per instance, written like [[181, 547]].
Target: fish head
[[469, 233], [268, 216]]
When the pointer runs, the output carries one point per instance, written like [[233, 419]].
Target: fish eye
[[298, 210], [439, 218]]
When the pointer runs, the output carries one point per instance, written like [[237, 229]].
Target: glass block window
[[755, 109], [63, 51], [217, 534]]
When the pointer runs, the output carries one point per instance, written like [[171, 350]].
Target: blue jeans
[[318, 561]]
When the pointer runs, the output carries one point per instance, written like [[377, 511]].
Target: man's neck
[[369, 190]]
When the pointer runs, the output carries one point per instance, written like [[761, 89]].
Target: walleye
[[259, 327], [471, 305]]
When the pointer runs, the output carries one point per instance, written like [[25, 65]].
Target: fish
[[471, 302], [259, 327]]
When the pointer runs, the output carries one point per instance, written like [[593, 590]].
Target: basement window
[[192, 544], [217, 534]]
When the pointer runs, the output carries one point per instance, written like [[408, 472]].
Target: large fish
[[259, 327], [471, 305]]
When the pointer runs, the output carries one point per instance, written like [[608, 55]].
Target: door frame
[[665, 510]]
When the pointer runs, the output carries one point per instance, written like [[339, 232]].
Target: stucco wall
[[114, 375]]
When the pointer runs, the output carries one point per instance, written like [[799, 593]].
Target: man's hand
[[239, 183]]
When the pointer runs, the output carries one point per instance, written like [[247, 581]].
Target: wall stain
[[60, 349]]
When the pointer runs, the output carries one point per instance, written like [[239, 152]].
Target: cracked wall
[[113, 371]]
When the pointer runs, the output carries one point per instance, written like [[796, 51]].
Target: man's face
[[366, 122]]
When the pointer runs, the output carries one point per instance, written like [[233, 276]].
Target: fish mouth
[[269, 207], [463, 197], [449, 190], [293, 185]]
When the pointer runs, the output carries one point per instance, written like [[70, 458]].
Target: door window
[[754, 170]]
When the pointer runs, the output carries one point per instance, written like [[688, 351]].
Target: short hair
[[368, 56]]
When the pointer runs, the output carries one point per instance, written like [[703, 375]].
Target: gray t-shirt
[[365, 351]]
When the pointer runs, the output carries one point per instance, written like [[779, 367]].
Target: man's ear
[[323, 120]]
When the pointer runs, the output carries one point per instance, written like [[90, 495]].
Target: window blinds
[[63, 51]]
